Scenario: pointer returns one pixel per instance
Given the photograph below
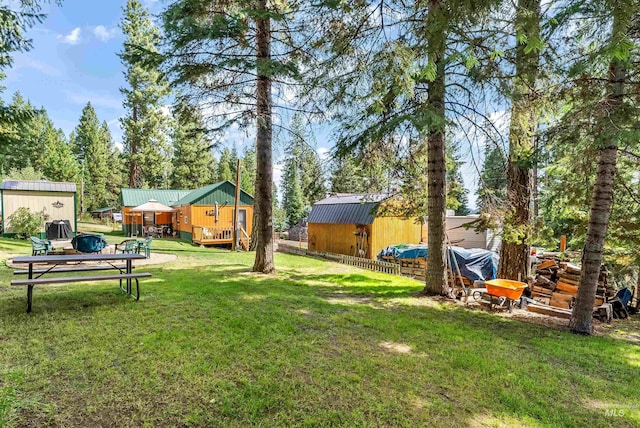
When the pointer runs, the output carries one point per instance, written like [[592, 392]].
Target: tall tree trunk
[[436, 282], [514, 254], [264, 246], [602, 188]]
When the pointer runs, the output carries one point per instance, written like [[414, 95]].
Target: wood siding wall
[[196, 216], [385, 231], [393, 230], [39, 202], [332, 238]]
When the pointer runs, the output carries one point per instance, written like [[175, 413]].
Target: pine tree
[[457, 198], [116, 173], [345, 177], [224, 166], [493, 179], [292, 200], [59, 162], [92, 151], [145, 123], [193, 162], [222, 51], [612, 122], [248, 178], [514, 252]]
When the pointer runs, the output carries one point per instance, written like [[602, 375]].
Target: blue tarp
[[475, 264]]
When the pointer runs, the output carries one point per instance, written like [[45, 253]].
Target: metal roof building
[[135, 197], [347, 208], [352, 224], [56, 201], [38, 186]]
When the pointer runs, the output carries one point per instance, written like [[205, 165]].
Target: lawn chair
[[40, 247], [88, 243], [620, 301], [145, 246], [129, 246]]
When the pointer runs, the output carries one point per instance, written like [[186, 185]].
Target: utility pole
[[236, 226]]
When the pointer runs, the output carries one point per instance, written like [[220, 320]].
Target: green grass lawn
[[318, 344]]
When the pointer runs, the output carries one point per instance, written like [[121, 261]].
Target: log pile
[[556, 284]]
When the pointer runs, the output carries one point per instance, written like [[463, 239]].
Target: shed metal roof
[[135, 197], [222, 192], [38, 186], [360, 213], [347, 208]]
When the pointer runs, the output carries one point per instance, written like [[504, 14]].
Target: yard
[[211, 344]]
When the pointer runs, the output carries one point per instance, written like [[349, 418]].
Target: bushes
[[25, 223]]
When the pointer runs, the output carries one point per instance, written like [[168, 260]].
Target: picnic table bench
[[52, 263]]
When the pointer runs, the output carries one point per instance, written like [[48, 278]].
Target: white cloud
[[104, 34], [26, 61], [73, 38]]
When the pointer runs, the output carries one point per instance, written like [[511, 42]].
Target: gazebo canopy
[[153, 206]]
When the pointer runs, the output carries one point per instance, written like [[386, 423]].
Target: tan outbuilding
[[56, 200]]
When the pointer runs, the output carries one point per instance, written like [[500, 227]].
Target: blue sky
[[74, 60]]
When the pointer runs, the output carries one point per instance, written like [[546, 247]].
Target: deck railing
[[373, 265], [212, 235]]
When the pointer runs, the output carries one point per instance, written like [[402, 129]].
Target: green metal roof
[[135, 197], [222, 193]]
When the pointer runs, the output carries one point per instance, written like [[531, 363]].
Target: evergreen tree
[[16, 18], [292, 200], [145, 123], [116, 173], [224, 166], [248, 178], [345, 176], [193, 162], [493, 179], [59, 162], [92, 151], [223, 51], [457, 198]]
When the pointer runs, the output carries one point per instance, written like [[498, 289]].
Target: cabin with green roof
[[205, 216], [131, 198]]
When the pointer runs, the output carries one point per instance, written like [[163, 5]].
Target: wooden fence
[[373, 265]]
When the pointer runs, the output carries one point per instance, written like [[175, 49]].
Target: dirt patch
[[397, 348]]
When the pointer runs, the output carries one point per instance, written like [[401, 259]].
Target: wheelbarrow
[[501, 292]]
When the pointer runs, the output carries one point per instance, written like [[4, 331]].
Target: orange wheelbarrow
[[501, 292]]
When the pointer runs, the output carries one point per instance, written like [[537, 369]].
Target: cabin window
[[186, 220]]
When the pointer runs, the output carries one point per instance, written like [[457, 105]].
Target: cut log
[[563, 297], [559, 303], [546, 264], [548, 310], [567, 288], [545, 282]]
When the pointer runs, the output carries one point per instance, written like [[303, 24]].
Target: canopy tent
[[151, 206]]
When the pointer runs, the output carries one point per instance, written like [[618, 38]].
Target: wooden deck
[[218, 236]]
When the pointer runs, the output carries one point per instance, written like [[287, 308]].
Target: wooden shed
[[56, 200], [205, 216], [351, 224], [133, 223]]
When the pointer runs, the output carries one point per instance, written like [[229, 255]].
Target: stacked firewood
[[556, 284]]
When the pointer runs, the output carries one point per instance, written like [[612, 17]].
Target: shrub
[[25, 223]]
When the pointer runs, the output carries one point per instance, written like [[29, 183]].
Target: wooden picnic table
[[52, 265]]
